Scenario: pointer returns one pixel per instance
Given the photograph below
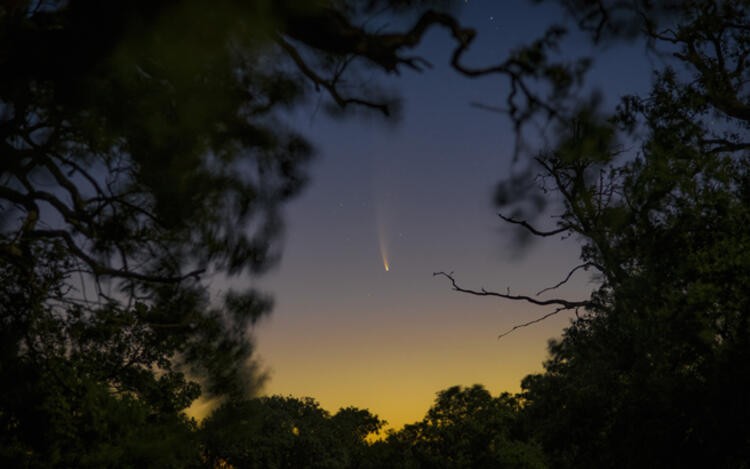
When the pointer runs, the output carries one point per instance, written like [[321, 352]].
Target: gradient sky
[[344, 330]]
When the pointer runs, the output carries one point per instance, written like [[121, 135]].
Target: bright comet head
[[383, 247]]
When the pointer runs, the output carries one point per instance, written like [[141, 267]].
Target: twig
[[570, 274], [532, 322], [565, 304], [533, 230], [328, 85], [562, 305]]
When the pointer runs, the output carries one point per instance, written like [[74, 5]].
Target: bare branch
[[330, 31], [328, 85], [533, 321], [567, 278], [533, 230], [564, 304]]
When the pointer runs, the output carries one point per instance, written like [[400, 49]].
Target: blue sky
[[347, 332]]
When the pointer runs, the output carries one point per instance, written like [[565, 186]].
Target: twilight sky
[[344, 330]]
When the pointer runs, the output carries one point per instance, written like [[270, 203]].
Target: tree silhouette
[[465, 427], [654, 369], [143, 154], [278, 432]]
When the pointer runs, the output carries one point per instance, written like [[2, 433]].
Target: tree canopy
[[653, 370], [279, 432], [465, 428], [143, 155]]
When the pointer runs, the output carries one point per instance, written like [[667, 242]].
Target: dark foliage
[[285, 432], [142, 155], [655, 372], [465, 428]]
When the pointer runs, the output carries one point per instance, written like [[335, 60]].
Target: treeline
[[465, 428]]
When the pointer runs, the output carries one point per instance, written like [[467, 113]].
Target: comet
[[381, 202], [383, 248], [382, 243]]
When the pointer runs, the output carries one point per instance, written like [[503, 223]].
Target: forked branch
[[328, 84], [561, 304], [333, 33], [565, 304]]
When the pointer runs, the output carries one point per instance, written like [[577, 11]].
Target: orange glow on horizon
[[425, 354]]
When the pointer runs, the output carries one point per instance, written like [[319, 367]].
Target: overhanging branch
[[533, 230], [565, 304], [532, 322], [561, 304], [328, 85], [570, 274]]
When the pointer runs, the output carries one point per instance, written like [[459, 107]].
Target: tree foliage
[[653, 371], [143, 154], [281, 432], [465, 428]]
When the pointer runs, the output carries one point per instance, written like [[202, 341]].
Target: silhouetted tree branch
[[329, 85], [567, 277], [562, 304], [534, 321], [531, 229]]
